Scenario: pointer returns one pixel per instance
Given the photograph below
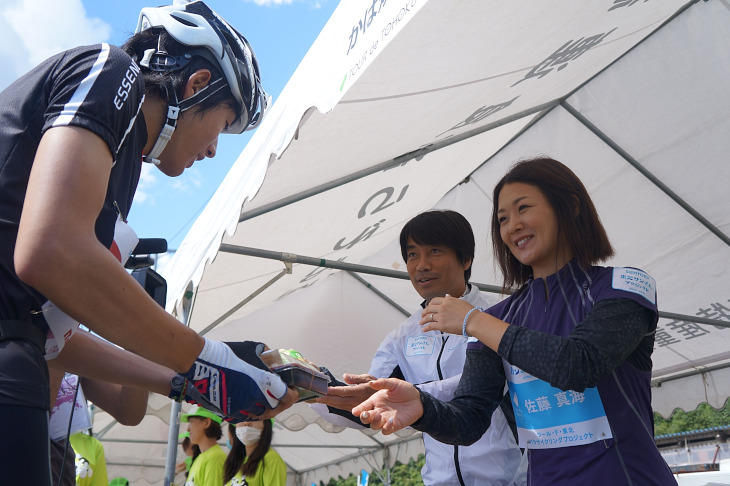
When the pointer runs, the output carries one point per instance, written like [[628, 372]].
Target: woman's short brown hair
[[578, 223]]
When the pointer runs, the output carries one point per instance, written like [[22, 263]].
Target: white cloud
[[33, 30], [189, 180], [147, 179]]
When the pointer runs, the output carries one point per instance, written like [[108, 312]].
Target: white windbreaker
[[434, 361]]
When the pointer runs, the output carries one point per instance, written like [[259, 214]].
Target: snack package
[[296, 371]]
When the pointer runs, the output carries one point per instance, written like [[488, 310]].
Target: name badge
[[549, 418], [635, 281], [420, 345]]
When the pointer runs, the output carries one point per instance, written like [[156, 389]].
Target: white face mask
[[248, 435]]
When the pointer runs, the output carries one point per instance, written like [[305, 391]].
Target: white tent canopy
[[400, 107]]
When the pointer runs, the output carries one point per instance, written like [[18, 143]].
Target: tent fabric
[[629, 94]]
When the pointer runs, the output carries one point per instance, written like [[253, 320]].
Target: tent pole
[[384, 272], [697, 371], [376, 470], [386, 463], [131, 464], [100, 434], [336, 265], [697, 320], [172, 437], [379, 293], [646, 173], [248, 299], [174, 430]]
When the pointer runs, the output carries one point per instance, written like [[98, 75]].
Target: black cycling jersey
[[98, 88], [95, 87]]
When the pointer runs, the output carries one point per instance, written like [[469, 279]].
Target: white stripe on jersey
[[70, 108], [131, 124]]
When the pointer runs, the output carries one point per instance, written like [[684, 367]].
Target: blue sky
[[280, 31]]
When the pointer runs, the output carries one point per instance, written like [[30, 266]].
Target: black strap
[[458, 466], [13, 329]]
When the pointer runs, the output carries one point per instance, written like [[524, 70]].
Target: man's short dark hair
[[447, 228]]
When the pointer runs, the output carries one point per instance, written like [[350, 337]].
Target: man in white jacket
[[438, 248]]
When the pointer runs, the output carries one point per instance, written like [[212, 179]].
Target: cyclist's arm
[[57, 252]]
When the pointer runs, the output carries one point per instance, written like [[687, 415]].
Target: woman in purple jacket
[[573, 343]]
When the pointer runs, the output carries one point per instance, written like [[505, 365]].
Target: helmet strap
[[203, 94], [173, 110]]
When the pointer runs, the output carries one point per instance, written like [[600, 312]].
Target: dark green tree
[[703, 417], [402, 475]]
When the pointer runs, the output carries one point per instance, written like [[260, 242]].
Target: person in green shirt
[[189, 451], [205, 430], [90, 460], [252, 461]]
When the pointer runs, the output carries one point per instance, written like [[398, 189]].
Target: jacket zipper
[[441, 377]]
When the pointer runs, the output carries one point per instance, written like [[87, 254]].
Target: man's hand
[[347, 397], [351, 379], [395, 406], [230, 379]]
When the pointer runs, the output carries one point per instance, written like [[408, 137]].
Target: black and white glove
[[231, 380]]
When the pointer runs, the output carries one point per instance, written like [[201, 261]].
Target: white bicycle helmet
[[196, 25]]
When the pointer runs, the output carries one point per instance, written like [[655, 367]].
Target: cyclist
[[74, 132]]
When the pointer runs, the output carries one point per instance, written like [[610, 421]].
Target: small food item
[[296, 371]]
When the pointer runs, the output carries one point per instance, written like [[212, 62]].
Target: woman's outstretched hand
[[396, 405]]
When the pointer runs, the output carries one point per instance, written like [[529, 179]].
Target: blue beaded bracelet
[[463, 327]]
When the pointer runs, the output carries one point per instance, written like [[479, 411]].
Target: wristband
[[463, 327], [178, 387]]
